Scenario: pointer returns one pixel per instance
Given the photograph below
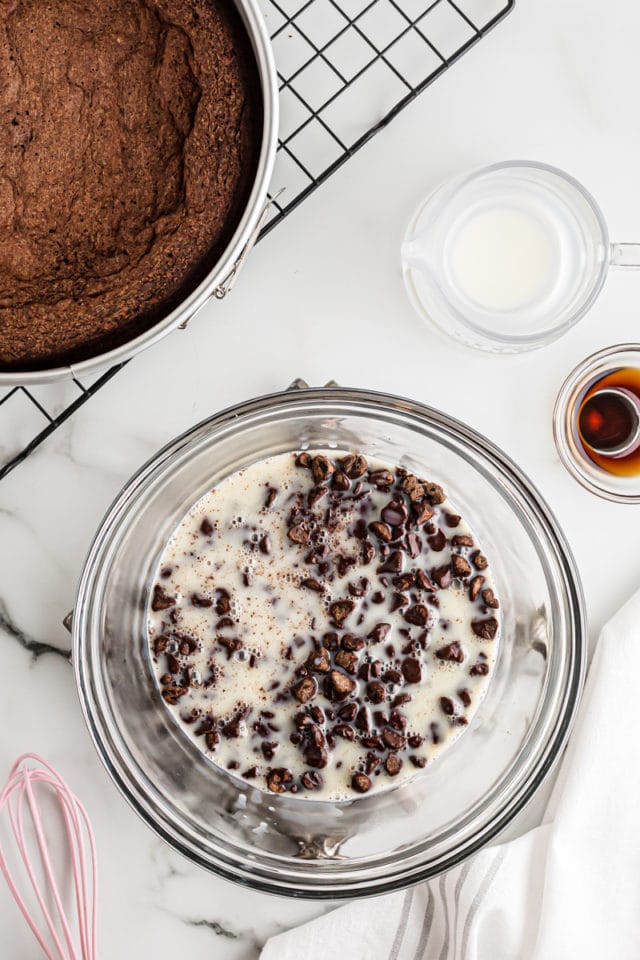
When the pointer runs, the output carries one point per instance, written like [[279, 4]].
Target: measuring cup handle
[[625, 255]]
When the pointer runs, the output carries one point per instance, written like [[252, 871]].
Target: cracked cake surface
[[130, 143]]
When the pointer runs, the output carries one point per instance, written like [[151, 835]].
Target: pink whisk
[[31, 776]]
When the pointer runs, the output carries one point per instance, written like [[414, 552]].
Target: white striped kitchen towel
[[568, 889]]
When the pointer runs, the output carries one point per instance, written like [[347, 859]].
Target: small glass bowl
[[318, 850], [620, 489]]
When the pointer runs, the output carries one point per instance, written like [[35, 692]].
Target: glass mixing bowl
[[373, 844]]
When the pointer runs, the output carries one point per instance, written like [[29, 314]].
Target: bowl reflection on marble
[[387, 840]]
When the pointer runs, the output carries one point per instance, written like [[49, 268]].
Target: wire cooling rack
[[345, 69]]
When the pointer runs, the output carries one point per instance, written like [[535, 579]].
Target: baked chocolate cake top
[[131, 131]]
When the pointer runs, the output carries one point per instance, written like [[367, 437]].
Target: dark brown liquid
[[605, 422]]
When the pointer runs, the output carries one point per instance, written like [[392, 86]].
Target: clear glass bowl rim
[[249, 873]]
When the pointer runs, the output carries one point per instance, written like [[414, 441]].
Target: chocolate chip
[[404, 582], [348, 661], [381, 530], [465, 696], [321, 468], [315, 756], [381, 478], [311, 780], [161, 600], [379, 632], [419, 762], [442, 576], [251, 773], [345, 731], [373, 743], [393, 739], [372, 762], [411, 670], [340, 481], [305, 689], [378, 597], [160, 644], [299, 533], [462, 540], [460, 566], [319, 661], [279, 779], [359, 588], [476, 586], [400, 699], [393, 765], [479, 561], [198, 601], [395, 513], [341, 609], [173, 664], [376, 691], [303, 460], [415, 741], [485, 629], [452, 519], [265, 544], [393, 564], [348, 712], [397, 601], [490, 598], [363, 720], [392, 676], [173, 692], [437, 541], [310, 584], [206, 527], [360, 782], [223, 605], [422, 512], [354, 465], [417, 615], [479, 669], [423, 582], [212, 739], [435, 493], [349, 642], [414, 545], [452, 651], [434, 729], [272, 493], [269, 749], [368, 552], [414, 488], [341, 684], [231, 644], [446, 705]]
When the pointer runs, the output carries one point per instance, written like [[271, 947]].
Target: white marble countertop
[[322, 298]]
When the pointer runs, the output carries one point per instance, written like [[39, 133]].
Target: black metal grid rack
[[345, 69]]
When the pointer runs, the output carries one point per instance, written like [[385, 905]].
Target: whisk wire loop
[[24, 782]]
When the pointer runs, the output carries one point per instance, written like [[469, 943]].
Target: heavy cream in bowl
[[323, 626]]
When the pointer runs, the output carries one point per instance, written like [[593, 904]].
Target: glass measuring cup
[[509, 257]]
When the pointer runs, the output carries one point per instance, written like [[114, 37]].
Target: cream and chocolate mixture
[[323, 626]]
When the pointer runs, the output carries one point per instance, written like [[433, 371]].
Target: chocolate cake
[[130, 136]]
